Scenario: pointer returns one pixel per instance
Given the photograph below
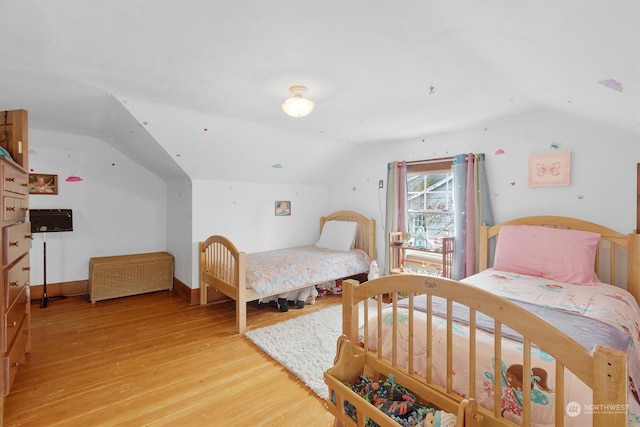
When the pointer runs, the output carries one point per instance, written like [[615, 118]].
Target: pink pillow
[[558, 254]]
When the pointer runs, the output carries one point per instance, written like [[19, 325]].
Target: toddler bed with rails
[[549, 335], [346, 248]]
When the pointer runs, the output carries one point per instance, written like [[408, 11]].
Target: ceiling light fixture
[[298, 106]]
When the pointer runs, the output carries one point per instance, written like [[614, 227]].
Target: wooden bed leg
[[203, 293], [203, 265], [241, 316]]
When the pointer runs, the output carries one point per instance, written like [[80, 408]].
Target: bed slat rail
[[560, 408], [497, 367]]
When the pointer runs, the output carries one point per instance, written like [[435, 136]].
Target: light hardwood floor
[[151, 360]]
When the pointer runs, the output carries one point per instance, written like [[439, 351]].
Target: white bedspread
[[604, 302], [284, 269]]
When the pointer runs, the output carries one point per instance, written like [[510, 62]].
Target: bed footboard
[[468, 360], [222, 267]]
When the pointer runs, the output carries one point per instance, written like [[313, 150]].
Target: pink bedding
[[284, 269], [604, 302]]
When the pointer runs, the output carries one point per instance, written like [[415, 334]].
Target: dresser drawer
[[16, 279], [14, 180], [15, 356], [17, 241], [13, 322], [14, 208]]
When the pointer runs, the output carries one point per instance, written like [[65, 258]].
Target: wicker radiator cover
[[124, 275]]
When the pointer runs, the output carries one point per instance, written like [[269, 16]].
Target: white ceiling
[[204, 79]]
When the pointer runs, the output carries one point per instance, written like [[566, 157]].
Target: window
[[430, 209]]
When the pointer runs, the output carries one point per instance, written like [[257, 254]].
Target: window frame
[[424, 167]]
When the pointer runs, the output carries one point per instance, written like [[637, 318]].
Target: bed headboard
[[365, 234], [617, 257]]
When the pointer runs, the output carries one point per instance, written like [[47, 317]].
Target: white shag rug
[[305, 345]]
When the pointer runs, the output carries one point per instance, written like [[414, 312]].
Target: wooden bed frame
[[612, 243], [222, 265], [604, 371]]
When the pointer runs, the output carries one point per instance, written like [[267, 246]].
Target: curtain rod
[[426, 162]]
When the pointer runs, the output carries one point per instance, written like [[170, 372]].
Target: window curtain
[[473, 209], [396, 209]]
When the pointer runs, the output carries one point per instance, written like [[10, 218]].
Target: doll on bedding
[[440, 419]]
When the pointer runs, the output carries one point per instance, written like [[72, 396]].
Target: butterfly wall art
[[551, 169]]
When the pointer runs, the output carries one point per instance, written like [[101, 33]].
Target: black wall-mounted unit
[[50, 220]]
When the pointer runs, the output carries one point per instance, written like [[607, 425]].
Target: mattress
[[284, 269], [613, 306]]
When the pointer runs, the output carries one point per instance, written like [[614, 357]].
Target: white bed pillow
[[338, 235]]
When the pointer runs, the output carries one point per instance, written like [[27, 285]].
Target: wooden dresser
[[14, 249]]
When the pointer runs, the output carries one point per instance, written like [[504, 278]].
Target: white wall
[[244, 213], [179, 220], [118, 207], [603, 176], [121, 208]]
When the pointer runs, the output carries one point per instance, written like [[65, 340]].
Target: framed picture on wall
[[40, 183], [550, 169], [283, 208]]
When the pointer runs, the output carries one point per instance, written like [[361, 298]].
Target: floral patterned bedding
[[284, 269], [604, 302]]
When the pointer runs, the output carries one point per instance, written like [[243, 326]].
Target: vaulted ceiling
[[196, 86]]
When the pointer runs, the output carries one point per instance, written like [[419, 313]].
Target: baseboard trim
[[62, 289], [188, 295], [192, 296], [81, 287]]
